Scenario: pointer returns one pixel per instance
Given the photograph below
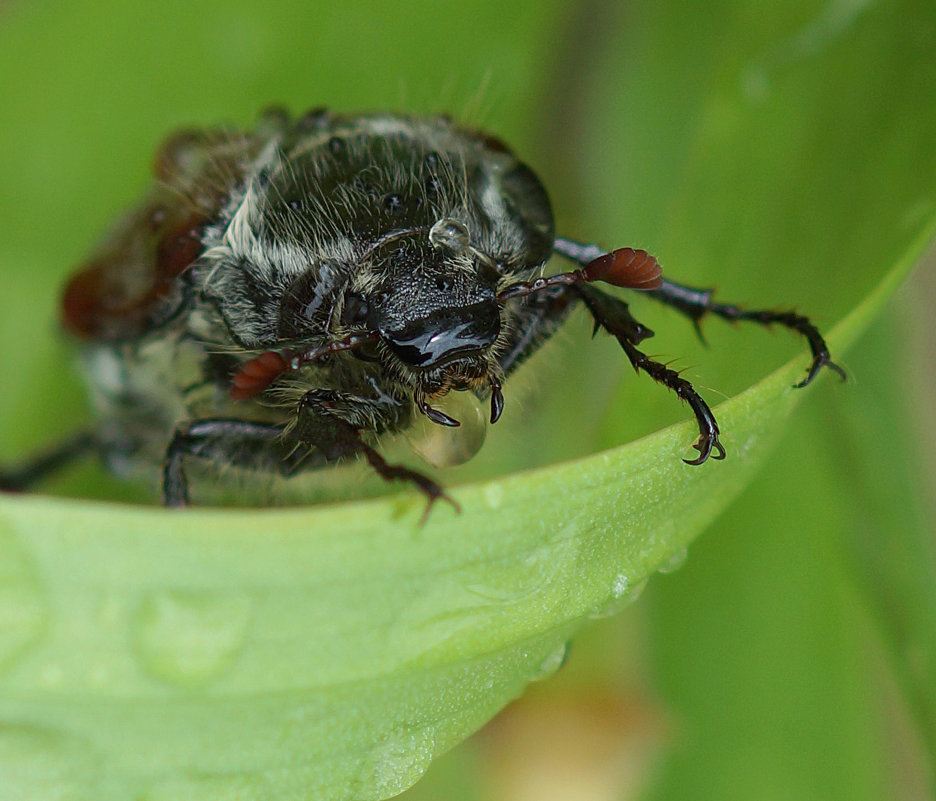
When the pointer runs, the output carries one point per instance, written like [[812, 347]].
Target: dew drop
[[446, 446], [395, 764], [512, 582], [620, 586], [623, 594], [676, 561], [189, 637], [551, 663], [449, 234]]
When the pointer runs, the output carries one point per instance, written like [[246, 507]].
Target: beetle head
[[421, 301], [429, 300]]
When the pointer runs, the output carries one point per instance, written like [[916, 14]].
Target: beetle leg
[[395, 472], [320, 425], [228, 441], [23, 476], [614, 316], [321, 435], [696, 303]]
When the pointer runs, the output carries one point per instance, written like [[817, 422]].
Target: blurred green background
[[781, 151]]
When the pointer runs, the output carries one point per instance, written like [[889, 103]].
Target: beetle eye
[[355, 311]]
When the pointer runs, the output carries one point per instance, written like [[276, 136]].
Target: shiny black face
[[432, 309], [444, 335]]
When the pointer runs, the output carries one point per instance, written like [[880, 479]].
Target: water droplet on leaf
[[551, 663], [623, 594], [676, 561], [396, 764], [189, 637]]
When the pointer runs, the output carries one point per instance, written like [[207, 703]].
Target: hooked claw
[[497, 399], [435, 415], [707, 441], [820, 360]]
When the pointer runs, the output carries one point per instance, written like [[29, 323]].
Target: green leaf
[[332, 651]]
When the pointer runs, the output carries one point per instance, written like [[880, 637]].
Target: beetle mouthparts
[[434, 414], [497, 399]]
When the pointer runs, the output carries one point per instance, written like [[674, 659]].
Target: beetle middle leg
[[227, 441]]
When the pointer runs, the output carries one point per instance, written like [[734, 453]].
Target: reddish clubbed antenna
[[626, 267], [256, 375]]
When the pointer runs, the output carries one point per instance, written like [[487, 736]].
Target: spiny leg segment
[[695, 303], [614, 316]]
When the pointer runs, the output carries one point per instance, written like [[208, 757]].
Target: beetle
[[282, 297]]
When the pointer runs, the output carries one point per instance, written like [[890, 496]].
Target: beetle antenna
[[624, 267], [255, 375]]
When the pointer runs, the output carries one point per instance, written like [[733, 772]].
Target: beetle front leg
[[320, 425], [614, 316]]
